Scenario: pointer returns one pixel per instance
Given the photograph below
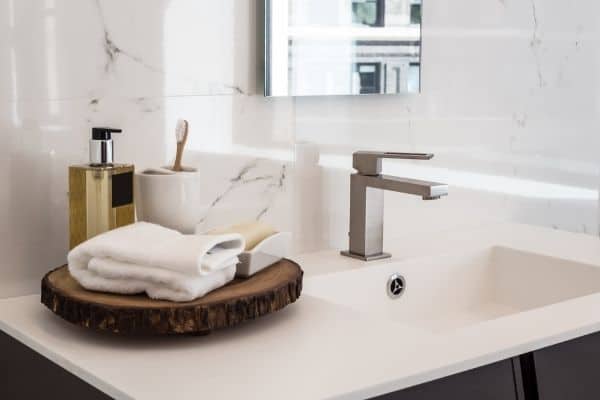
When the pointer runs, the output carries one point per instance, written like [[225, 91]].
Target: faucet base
[[375, 257]]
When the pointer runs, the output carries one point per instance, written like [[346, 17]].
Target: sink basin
[[453, 291]]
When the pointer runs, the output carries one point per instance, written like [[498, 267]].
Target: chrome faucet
[[366, 200]]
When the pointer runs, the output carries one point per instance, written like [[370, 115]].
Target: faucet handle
[[369, 162]]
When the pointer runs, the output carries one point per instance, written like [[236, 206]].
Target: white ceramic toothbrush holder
[[171, 200]]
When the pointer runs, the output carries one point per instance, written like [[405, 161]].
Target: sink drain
[[396, 286]]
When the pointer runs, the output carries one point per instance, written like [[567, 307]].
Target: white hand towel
[[162, 262], [160, 284], [151, 245]]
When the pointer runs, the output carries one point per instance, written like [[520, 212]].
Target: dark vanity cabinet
[[28, 375], [569, 370], [491, 382]]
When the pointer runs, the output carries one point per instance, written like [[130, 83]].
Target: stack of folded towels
[[161, 262]]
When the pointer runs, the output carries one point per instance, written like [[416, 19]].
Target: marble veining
[[147, 105], [275, 186], [520, 119], [112, 51], [235, 89], [271, 185], [536, 44]]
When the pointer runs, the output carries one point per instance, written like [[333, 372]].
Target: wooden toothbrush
[[181, 134]]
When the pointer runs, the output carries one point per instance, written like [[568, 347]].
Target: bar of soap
[[254, 232]]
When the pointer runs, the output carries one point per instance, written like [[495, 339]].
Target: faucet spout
[[427, 190]]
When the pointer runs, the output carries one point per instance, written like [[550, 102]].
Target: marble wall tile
[[60, 49], [463, 208], [508, 104], [66, 66], [240, 188]]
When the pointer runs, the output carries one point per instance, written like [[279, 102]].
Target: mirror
[[342, 47]]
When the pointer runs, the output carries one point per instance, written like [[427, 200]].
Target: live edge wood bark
[[243, 299]]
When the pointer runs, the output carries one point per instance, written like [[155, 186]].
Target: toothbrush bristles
[[181, 130]]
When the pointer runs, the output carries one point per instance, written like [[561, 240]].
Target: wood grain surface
[[241, 300]]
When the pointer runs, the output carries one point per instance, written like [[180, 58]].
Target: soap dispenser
[[101, 192]]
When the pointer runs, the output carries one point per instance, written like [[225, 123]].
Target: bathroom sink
[[453, 291]]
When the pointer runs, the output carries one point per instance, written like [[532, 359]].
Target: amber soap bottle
[[101, 192]]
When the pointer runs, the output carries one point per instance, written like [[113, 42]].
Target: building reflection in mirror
[[343, 47]]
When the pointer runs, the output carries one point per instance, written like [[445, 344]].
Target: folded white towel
[[162, 262], [159, 284]]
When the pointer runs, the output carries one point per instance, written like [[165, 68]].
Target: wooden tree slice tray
[[241, 300]]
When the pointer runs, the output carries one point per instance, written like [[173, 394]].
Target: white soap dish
[[266, 253]]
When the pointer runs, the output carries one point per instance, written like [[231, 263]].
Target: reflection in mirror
[[342, 47]]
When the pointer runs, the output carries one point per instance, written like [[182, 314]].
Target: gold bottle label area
[[91, 201]]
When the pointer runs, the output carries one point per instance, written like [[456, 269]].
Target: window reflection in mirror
[[368, 12], [342, 47]]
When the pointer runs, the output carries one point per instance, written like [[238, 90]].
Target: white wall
[[509, 104]]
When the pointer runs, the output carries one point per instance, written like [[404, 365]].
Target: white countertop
[[314, 349]]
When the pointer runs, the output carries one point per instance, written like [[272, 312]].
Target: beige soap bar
[[254, 232]]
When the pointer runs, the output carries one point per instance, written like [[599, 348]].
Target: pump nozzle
[[101, 146], [104, 133]]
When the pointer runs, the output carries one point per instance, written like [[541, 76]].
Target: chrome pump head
[[101, 146]]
